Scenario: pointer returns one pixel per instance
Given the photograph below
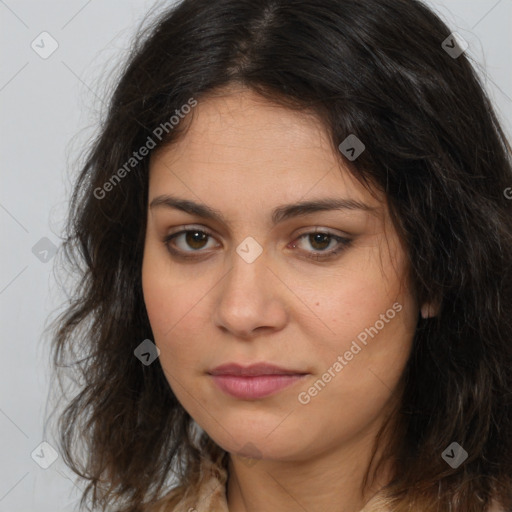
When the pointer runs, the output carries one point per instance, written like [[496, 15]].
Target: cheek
[[178, 310], [354, 303], [175, 313], [167, 296], [177, 353], [158, 296], [372, 320], [357, 380]]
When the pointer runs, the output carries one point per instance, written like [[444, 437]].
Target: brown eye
[[195, 239], [187, 242], [320, 241]]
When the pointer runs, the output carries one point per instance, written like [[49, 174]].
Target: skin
[[245, 156]]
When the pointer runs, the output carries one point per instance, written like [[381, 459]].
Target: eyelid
[[181, 231], [324, 230], [343, 241], [191, 227], [309, 230]]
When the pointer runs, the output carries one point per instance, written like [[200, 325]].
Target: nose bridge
[[243, 282], [248, 297]]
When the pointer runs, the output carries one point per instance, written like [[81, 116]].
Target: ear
[[428, 310]]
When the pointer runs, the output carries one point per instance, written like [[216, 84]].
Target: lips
[[253, 370], [255, 381]]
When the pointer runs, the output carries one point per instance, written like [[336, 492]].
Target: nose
[[251, 299]]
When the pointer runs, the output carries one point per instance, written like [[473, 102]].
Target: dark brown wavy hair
[[434, 146]]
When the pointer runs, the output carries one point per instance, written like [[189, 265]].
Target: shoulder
[[378, 503], [206, 494], [381, 503]]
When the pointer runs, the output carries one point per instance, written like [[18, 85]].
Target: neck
[[327, 481]]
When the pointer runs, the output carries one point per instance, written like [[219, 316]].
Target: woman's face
[[254, 284]]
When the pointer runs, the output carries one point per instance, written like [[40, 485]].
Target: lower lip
[[254, 387]]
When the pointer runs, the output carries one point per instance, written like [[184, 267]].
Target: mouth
[[255, 381]]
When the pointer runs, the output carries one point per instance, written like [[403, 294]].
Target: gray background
[[49, 111]]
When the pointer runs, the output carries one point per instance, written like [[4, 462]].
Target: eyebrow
[[279, 214]]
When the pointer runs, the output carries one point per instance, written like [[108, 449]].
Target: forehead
[[240, 145]]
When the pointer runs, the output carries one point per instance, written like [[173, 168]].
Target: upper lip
[[253, 369]]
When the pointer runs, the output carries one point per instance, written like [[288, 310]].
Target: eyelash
[[343, 243]]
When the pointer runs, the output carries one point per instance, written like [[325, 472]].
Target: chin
[[261, 442]]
